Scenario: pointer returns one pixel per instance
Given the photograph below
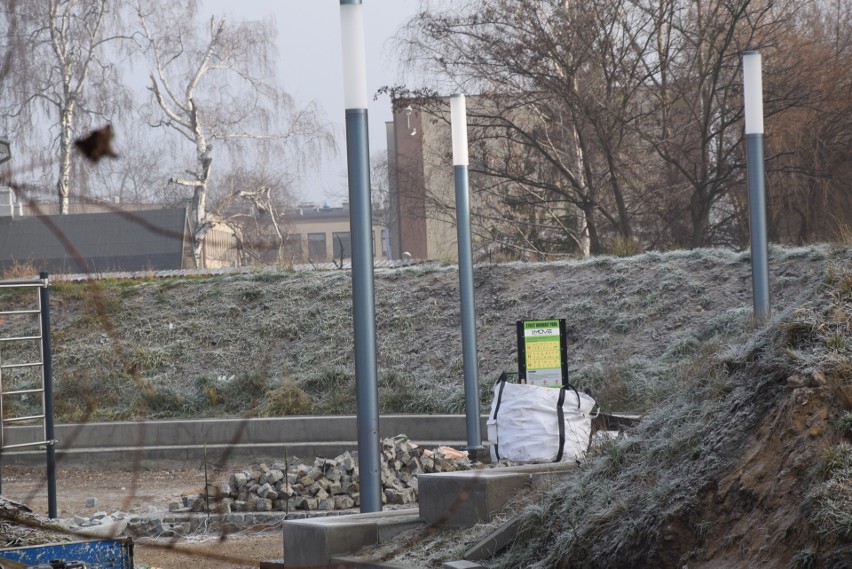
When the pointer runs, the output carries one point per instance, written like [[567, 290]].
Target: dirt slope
[[751, 465]]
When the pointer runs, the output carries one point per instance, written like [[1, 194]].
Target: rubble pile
[[327, 484], [20, 527], [99, 524]]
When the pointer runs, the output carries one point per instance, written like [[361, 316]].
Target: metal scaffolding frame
[[44, 391]]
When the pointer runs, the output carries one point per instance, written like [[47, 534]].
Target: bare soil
[[143, 492], [237, 551]]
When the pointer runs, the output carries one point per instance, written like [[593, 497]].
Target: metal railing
[[37, 333]]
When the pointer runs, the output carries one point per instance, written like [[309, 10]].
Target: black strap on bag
[[504, 377], [560, 416]]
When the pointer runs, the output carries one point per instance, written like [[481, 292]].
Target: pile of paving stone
[[327, 484]]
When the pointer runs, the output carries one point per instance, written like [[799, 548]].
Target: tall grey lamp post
[[361, 227], [47, 370], [753, 100], [458, 119]]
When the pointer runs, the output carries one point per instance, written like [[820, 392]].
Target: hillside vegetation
[[275, 342], [745, 459], [743, 456], [749, 466]]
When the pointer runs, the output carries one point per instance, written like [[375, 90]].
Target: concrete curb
[[495, 542], [124, 444], [172, 524]]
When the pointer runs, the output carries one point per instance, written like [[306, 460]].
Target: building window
[[342, 244], [293, 248], [385, 243], [316, 246]]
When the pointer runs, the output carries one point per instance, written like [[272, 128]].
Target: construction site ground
[[143, 492]]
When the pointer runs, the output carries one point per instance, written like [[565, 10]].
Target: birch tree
[[66, 75], [253, 201], [216, 88]]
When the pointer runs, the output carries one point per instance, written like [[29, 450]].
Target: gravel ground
[[145, 492]]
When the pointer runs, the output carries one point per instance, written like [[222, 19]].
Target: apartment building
[[321, 234]]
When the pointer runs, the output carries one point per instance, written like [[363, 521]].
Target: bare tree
[[253, 202], [380, 186], [11, 38], [220, 88], [141, 176], [694, 108], [809, 172], [69, 76], [626, 114], [559, 83]]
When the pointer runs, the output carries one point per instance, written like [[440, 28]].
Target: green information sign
[[542, 352]]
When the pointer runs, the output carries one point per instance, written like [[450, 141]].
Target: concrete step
[[317, 542], [237, 430], [125, 443], [466, 498], [449, 499]]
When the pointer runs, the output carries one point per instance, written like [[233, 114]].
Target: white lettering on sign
[[541, 332]]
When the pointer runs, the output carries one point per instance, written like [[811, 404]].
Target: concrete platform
[[316, 542], [466, 498], [450, 499]]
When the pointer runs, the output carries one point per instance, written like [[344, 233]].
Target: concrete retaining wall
[[124, 444]]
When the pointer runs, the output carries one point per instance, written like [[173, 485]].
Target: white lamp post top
[[458, 118], [753, 92], [354, 54]]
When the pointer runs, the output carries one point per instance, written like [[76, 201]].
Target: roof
[[316, 213], [310, 213], [76, 208], [138, 240]]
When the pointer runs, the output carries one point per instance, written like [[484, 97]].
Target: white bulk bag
[[524, 422]]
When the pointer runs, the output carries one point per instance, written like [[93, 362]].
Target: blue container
[[96, 554]]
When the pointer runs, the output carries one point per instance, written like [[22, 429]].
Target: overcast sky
[[310, 66]]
